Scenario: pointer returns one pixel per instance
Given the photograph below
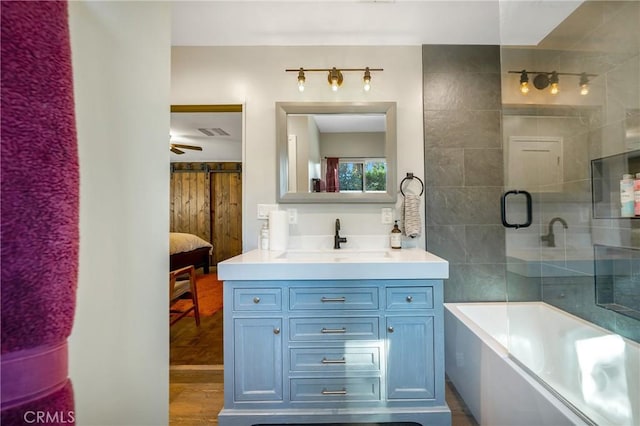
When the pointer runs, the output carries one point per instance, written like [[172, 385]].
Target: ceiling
[[344, 22], [365, 22], [215, 132]]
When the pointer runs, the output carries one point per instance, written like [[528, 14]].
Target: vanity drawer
[[257, 299], [332, 329], [335, 359], [333, 298], [409, 297], [335, 390]]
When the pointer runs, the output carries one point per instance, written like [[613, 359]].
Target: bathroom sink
[[341, 254]]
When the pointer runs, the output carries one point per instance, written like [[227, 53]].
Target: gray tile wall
[[464, 168]]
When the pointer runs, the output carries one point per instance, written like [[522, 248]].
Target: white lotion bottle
[[264, 237]]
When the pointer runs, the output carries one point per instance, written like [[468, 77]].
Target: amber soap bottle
[[396, 237]]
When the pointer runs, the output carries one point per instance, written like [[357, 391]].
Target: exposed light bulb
[[584, 89], [335, 79], [301, 80], [584, 84], [367, 79], [554, 83], [524, 82]]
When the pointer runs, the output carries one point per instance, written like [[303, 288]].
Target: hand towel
[[411, 216], [39, 197]]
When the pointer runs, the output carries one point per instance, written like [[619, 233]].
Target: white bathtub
[[594, 370]]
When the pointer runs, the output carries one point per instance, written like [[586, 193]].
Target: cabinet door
[[258, 359], [410, 358]]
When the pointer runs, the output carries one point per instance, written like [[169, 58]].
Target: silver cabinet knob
[[276, 331], [256, 299], [390, 329], [409, 299]]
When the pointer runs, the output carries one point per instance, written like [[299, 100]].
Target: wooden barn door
[[226, 211], [190, 203]]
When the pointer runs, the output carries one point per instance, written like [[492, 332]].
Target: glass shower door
[[557, 331]]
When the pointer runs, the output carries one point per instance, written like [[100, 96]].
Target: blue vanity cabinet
[[410, 335], [258, 349], [253, 330], [334, 351]]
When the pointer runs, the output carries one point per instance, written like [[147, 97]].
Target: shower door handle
[[503, 209]]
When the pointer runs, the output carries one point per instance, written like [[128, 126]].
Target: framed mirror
[[336, 152]]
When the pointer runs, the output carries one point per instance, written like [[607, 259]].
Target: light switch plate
[[293, 216], [387, 216], [264, 209]]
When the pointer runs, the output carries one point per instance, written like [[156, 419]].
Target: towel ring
[[410, 176]]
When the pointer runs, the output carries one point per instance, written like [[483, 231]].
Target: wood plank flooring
[[191, 345]]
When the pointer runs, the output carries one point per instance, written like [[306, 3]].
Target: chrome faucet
[[550, 238], [337, 239]]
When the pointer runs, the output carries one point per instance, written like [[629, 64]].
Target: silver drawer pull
[[334, 361], [343, 391], [409, 299], [390, 329], [276, 331], [333, 330], [256, 299], [333, 299]]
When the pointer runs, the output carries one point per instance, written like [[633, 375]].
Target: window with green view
[[362, 175]]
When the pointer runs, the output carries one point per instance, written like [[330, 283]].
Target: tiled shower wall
[[464, 168], [464, 161]]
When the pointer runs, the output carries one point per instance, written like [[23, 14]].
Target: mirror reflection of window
[[362, 175], [360, 134]]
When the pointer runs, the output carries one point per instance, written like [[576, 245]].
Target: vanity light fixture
[[367, 79], [335, 77], [584, 84], [301, 80], [524, 82], [554, 83], [544, 79]]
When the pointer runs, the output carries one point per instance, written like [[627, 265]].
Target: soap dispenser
[[396, 237]]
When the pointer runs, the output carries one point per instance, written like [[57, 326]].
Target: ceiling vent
[[214, 131]]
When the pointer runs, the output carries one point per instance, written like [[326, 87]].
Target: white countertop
[[410, 263]]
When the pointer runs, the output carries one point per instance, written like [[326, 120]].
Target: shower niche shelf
[[617, 276], [606, 173]]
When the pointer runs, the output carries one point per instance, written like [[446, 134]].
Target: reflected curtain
[[333, 183]]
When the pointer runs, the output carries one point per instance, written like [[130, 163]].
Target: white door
[[535, 163]]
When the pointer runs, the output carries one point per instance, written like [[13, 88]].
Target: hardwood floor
[[191, 345], [196, 395], [196, 391]]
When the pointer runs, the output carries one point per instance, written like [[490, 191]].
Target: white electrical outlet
[[293, 216], [264, 209], [387, 216]]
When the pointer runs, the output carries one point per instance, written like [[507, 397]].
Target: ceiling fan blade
[[196, 148], [176, 150]]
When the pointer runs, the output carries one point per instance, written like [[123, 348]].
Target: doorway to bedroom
[[206, 203]]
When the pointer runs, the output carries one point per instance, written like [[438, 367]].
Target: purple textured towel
[[40, 188]]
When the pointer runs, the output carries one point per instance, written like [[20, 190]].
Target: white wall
[[119, 344], [255, 76]]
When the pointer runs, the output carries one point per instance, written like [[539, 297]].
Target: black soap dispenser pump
[[396, 237]]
